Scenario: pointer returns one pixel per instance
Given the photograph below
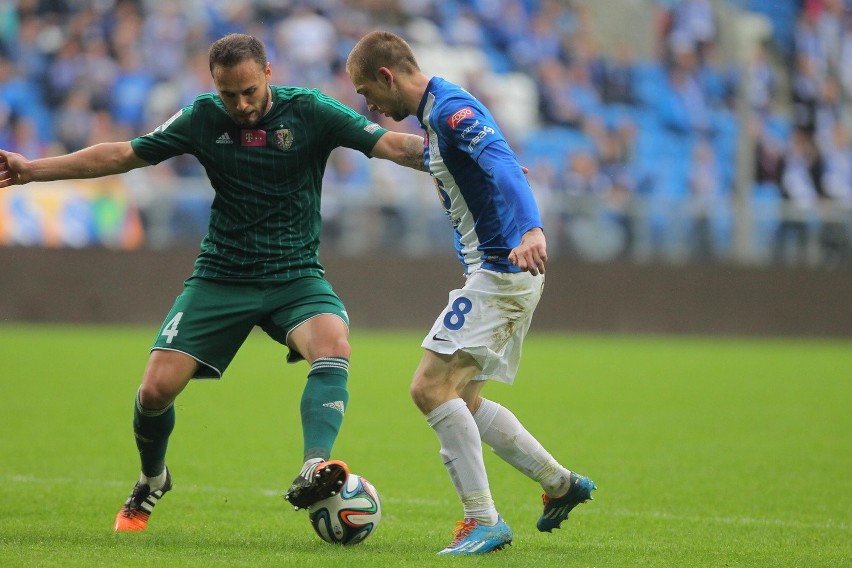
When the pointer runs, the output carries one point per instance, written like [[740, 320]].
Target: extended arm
[[95, 161], [404, 149]]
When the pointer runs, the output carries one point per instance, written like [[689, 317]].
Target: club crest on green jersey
[[283, 139]]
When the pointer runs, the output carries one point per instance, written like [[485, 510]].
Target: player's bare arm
[[100, 160], [404, 149], [531, 254]]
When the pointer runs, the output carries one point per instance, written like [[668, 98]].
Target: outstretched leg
[[563, 489], [165, 377]]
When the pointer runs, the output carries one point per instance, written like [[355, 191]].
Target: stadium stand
[[677, 114]]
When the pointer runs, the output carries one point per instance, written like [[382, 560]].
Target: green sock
[[323, 405], [152, 429]]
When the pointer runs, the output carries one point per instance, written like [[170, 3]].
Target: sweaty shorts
[[488, 319], [211, 319]]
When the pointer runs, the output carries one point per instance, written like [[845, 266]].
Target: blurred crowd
[[629, 157], [807, 156]]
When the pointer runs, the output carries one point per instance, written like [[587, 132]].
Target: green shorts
[[211, 319]]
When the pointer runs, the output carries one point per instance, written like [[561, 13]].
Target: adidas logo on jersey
[[224, 139]]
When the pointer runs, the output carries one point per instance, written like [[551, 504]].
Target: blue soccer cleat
[[471, 537], [556, 509]]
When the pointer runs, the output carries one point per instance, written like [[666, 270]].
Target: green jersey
[[265, 217]]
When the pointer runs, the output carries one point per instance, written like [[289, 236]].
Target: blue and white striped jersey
[[480, 183]]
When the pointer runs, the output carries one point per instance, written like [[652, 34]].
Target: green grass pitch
[[706, 452]]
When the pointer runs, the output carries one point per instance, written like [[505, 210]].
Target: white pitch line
[[602, 511]]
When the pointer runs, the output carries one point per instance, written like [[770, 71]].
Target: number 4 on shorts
[[171, 328]]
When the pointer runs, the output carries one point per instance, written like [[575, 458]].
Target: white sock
[[461, 451], [501, 430], [154, 482], [309, 467]]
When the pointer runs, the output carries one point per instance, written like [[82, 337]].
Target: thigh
[[440, 377], [453, 370], [209, 322]]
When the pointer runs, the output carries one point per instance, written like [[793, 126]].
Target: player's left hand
[[531, 254]]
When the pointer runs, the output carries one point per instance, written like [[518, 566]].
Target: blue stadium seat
[[554, 143], [782, 16], [650, 82]]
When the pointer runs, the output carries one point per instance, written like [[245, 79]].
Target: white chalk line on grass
[[660, 515]]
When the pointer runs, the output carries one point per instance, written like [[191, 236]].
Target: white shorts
[[488, 320]]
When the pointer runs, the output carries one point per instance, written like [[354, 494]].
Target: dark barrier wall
[[90, 285]]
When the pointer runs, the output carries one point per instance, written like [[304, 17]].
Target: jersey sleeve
[[500, 164], [346, 127], [465, 125], [170, 139]]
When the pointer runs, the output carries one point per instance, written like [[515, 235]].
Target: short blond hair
[[380, 49]]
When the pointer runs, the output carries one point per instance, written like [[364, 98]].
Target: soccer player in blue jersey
[[478, 336], [264, 148]]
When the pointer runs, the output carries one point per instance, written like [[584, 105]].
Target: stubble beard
[[261, 113]]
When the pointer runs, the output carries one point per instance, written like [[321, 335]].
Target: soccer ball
[[350, 516]]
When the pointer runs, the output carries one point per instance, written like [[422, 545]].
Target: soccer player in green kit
[[264, 148]]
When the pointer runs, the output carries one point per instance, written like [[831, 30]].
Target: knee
[[155, 395], [342, 348], [425, 394], [165, 377], [333, 347], [418, 395]]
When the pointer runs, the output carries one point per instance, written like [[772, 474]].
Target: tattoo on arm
[[414, 154]]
